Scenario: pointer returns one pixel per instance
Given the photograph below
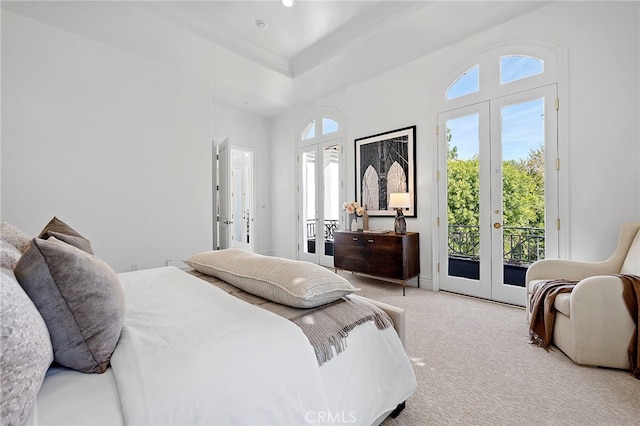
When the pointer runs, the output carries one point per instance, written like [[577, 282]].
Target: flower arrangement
[[352, 207]]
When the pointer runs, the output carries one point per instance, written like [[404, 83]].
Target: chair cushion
[[533, 284], [563, 303], [631, 263]]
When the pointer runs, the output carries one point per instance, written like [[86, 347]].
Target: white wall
[[599, 127], [117, 146], [250, 131], [120, 146]]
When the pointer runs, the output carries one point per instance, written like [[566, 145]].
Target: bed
[[196, 349]]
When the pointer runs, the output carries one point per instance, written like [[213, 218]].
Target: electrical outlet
[[135, 266], [168, 262]]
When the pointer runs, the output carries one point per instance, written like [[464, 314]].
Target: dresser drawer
[[381, 246], [348, 239]]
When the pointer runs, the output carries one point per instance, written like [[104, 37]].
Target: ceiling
[[289, 35], [354, 39]]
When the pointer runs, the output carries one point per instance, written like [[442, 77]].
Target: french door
[[319, 200], [497, 202]]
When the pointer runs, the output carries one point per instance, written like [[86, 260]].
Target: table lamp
[[399, 201]]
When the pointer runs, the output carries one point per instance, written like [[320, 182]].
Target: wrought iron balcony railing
[[329, 227], [522, 246]]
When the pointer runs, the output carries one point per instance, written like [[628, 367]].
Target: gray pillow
[[288, 282], [80, 298], [26, 351], [14, 236], [63, 232]]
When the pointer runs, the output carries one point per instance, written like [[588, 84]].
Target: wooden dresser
[[390, 256]]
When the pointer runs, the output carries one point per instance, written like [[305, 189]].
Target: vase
[[365, 221], [354, 222]]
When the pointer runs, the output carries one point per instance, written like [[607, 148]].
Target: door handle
[[497, 225]]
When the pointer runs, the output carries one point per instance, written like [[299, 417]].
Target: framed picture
[[385, 163]]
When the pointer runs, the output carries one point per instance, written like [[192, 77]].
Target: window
[[309, 131], [517, 67], [329, 126], [468, 82]]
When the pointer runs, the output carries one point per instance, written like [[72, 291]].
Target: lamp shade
[[399, 200]]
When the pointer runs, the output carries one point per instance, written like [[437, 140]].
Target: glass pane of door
[[463, 196], [523, 195], [332, 205], [242, 198], [308, 200]]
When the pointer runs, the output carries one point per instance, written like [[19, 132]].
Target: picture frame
[[385, 163]]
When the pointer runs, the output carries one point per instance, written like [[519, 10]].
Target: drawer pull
[[371, 241], [355, 238]]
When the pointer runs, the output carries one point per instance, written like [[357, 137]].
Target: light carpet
[[474, 366]]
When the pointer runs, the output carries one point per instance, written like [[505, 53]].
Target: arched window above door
[[511, 68], [496, 72], [325, 124], [468, 82], [516, 67]]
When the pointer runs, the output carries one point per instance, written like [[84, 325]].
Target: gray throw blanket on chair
[[631, 295], [543, 313]]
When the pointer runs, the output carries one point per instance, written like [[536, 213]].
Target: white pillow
[[289, 282], [26, 351]]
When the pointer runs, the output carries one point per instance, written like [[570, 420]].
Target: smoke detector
[[261, 24]]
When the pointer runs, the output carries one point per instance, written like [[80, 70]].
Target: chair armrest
[[597, 291], [569, 269], [600, 317]]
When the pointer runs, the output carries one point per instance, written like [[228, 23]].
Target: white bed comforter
[[189, 350]]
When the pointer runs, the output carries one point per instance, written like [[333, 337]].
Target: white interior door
[[242, 196], [224, 217], [497, 202]]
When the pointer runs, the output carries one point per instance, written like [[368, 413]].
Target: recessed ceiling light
[[288, 3], [261, 24]]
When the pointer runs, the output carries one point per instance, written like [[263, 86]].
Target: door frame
[[490, 284]]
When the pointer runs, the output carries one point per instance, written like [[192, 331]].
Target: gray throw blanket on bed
[[326, 327]]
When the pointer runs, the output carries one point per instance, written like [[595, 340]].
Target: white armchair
[[593, 325]]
